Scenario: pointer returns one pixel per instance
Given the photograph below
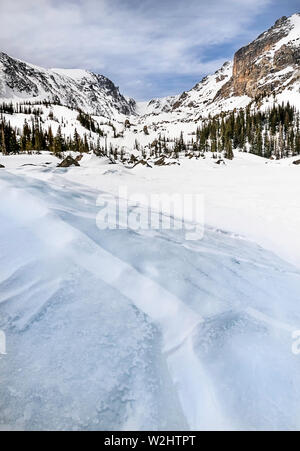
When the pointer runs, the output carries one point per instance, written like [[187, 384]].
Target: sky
[[149, 48]]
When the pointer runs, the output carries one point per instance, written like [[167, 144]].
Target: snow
[[142, 329], [75, 74], [73, 87], [195, 103], [291, 95], [294, 32], [123, 329], [141, 108], [17, 161], [250, 196], [64, 117], [201, 101]]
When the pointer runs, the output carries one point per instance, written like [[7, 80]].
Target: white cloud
[[125, 39]]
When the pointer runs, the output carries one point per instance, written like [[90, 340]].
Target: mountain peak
[[75, 88], [270, 65]]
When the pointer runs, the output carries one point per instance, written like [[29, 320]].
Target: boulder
[[296, 162], [1, 166], [160, 162], [67, 162], [166, 161], [142, 162]]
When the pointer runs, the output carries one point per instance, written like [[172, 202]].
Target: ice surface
[[119, 329]]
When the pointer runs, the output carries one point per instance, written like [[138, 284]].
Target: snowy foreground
[[117, 329]]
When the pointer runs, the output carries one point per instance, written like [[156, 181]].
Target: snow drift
[[119, 329]]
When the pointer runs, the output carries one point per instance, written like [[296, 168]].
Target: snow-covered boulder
[[67, 162]]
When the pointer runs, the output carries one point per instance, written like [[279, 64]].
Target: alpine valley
[[112, 322], [262, 83]]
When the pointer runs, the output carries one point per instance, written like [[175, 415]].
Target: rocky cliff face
[[267, 67], [90, 92], [269, 64]]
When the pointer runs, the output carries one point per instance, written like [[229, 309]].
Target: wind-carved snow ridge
[[103, 334]]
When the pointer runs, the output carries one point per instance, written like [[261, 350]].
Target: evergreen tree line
[[34, 138], [26, 107], [273, 133], [9, 108], [88, 122]]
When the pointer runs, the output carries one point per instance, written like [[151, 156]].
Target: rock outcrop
[[267, 67], [67, 162], [268, 64]]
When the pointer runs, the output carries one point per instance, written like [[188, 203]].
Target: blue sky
[[148, 48]]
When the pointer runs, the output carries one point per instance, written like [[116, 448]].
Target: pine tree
[[59, 145], [76, 142], [229, 152], [3, 145]]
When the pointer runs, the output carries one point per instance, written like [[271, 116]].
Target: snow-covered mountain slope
[[268, 69], [265, 72], [102, 334], [270, 64], [194, 103], [90, 92]]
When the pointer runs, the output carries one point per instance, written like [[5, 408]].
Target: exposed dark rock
[[165, 161], [297, 162], [280, 21], [160, 162], [133, 159], [143, 163], [67, 162], [1, 166]]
